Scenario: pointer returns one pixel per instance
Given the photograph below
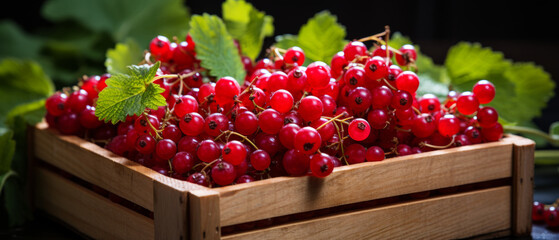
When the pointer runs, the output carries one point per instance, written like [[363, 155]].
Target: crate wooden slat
[[448, 217], [398, 176], [88, 212], [187, 211]]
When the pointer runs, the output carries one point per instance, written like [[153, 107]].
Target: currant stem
[[229, 133], [439, 147], [389, 85], [553, 139], [209, 164], [332, 119]]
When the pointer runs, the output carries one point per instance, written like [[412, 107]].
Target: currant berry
[[376, 68], [160, 48], [449, 125], [296, 79], [318, 74], [467, 103], [56, 104], [487, 117], [359, 129], [538, 210], [145, 144], [338, 63], [424, 125], [165, 149], [88, 119], [355, 77], [360, 99], [246, 123], [408, 81], [78, 100], [355, 153], [215, 124], [407, 56], [378, 118], [429, 103], [227, 89], [234, 152], [310, 108], [198, 178], [484, 91], [295, 163], [282, 101], [374, 153], [493, 133], [307, 140], [321, 165], [223, 173], [69, 123], [208, 151], [270, 121], [401, 100], [185, 104], [381, 97], [183, 162], [276, 81], [294, 55], [192, 124], [381, 51], [354, 49], [287, 134], [260, 160]]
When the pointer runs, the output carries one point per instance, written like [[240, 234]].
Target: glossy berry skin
[[424, 125], [374, 153], [381, 51], [401, 100], [192, 124], [182, 162], [321, 165], [208, 151], [276, 81], [376, 68], [378, 118], [234, 152], [429, 103], [473, 134], [198, 178], [382, 97], [56, 104], [360, 99], [69, 123], [407, 56], [215, 124], [354, 49], [145, 144], [282, 101], [326, 131], [246, 123], [310, 108], [223, 173], [493, 133], [487, 117], [160, 48], [185, 104], [270, 121], [318, 74], [538, 210], [78, 100], [449, 125], [359, 129], [294, 55], [484, 91], [88, 119], [408, 81], [260, 160], [355, 77], [287, 134], [551, 217], [355, 153], [296, 80], [296, 163], [307, 140], [467, 103], [227, 89], [165, 149], [337, 64]]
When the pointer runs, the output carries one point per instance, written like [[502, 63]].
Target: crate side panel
[[367, 181], [96, 165], [448, 217], [86, 211]]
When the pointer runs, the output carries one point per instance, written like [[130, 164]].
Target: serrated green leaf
[[322, 37], [471, 62], [21, 82], [122, 56], [397, 40], [215, 47], [248, 25], [129, 94], [137, 19]]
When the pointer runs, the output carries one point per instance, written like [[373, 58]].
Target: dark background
[[523, 31]]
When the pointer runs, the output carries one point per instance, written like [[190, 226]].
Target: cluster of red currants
[[286, 119], [548, 214]]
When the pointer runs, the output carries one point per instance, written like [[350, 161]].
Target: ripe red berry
[[294, 55], [321, 165], [484, 91], [359, 129], [234, 152]]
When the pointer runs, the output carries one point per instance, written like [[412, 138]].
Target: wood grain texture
[[356, 183], [523, 184], [448, 217], [170, 212], [204, 214], [101, 167], [88, 212]]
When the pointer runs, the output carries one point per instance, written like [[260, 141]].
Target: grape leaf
[[248, 25], [129, 94], [472, 62], [215, 47], [122, 56], [138, 19]]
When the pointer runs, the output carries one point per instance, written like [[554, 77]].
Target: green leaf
[[472, 62], [7, 148], [322, 37], [122, 56], [138, 19], [248, 25], [15, 202], [554, 130], [21, 82], [16, 43], [215, 47], [129, 94]]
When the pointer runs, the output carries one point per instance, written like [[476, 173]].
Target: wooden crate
[[482, 190]]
